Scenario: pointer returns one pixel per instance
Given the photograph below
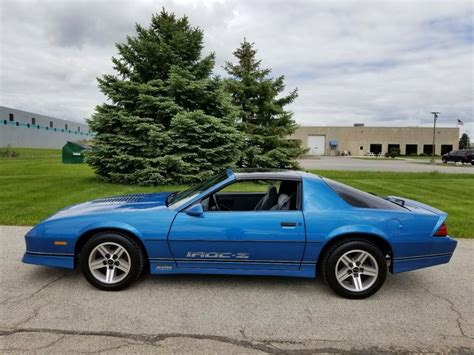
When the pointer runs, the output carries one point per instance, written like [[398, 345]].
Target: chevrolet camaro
[[283, 223]]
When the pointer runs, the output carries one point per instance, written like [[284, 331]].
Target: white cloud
[[379, 62]]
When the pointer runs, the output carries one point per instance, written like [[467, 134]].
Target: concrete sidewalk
[[45, 310]]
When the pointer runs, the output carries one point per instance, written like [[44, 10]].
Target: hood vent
[[121, 199]]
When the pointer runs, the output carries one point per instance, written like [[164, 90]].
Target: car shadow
[[398, 283]]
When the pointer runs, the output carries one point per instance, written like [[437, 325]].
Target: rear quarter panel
[[327, 216]]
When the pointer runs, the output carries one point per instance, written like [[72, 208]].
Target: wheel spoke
[[346, 261], [124, 266], [362, 257], [342, 274], [103, 250], [119, 251], [369, 271], [109, 275], [97, 264], [357, 282]]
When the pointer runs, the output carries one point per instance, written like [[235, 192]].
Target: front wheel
[[111, 261], [355, 268]]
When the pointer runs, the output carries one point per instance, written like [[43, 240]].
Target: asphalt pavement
[[45, 310], [375, 164]]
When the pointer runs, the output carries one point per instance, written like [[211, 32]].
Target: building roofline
[[41, 114]]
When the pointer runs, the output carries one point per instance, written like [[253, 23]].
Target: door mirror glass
[[195, 210]]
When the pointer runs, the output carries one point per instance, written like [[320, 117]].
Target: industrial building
[[22, 129], [360, 140]]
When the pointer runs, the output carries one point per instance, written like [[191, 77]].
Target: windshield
[[178, 199]]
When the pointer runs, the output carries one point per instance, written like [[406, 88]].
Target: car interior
[[259, 195]]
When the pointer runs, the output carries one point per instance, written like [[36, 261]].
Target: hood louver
[[121, 199]]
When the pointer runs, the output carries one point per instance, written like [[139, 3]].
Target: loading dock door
[[316, 145]]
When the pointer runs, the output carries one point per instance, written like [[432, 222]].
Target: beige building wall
[[358, 140]]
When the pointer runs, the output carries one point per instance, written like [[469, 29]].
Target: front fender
[[110, 225]]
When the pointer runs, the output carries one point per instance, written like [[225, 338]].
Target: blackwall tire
[[111, 261], [355, 268]]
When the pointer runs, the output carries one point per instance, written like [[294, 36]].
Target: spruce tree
[[263, 118], [167, 119], [464, 141]]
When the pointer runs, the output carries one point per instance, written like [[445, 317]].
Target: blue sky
[[384, 63]]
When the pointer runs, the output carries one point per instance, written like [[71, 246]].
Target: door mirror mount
[[195, 210]]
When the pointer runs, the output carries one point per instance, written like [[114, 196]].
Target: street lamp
[[435, 118]]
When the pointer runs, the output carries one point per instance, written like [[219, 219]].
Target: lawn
[[36, 184]]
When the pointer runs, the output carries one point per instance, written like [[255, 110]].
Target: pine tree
[[263, 118], [167, 119], [464, 141]]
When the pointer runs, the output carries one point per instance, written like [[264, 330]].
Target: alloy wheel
[[109, 263], [356, 270]]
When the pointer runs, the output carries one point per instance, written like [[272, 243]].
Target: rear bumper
[[442, 252], [53, 260]]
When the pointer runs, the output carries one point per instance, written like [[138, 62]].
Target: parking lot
[[53, 311], [375, 164]]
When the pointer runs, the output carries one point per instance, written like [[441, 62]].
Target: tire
[[115, 252], [356, 281], [444, 161]]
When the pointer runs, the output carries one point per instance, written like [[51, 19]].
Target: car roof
[[244, 174]]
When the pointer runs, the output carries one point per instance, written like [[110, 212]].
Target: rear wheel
[[111, 261], [355, 268]]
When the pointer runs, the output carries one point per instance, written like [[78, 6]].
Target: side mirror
[[195, 210]]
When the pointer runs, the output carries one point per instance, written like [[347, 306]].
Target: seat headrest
[[272, 192]]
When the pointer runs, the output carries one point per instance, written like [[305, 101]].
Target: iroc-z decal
[[216, 255]]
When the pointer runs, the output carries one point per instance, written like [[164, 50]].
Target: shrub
[[7, 152], [394, 152]]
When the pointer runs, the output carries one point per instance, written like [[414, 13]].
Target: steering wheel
[[214, 198]]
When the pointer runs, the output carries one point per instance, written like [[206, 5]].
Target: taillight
[[442, 231]]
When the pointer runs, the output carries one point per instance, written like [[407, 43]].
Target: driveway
[[374, 164], [55, 311]]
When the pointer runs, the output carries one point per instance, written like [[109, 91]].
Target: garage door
[[316, 145]]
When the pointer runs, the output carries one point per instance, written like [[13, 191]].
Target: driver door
[[223, 239]]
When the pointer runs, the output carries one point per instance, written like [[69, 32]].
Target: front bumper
[[53, 260]]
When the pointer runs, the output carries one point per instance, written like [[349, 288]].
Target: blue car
[[283, 223]]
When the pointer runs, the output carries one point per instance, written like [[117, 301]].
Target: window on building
[[393, 146], [376, 148], [428, 149], [11, 117], [78, 128], [446, 148], [411, 149], [33, 120], [50, 124], [65, 126]]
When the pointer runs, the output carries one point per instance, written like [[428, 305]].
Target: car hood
[[121, 203]]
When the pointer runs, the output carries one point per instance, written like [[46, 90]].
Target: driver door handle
[[288, 224]]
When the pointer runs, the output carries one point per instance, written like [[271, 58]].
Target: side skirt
[[169, 267]]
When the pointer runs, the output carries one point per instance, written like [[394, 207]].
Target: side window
[[255, 195]]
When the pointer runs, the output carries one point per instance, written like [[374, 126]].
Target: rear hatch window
[[361, 199]]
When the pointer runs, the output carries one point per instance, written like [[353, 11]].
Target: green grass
[[36, 184]]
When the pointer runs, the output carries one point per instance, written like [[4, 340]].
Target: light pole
[[435, 118]]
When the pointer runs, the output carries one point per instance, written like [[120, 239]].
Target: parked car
[[464, 156], [284, 223]]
